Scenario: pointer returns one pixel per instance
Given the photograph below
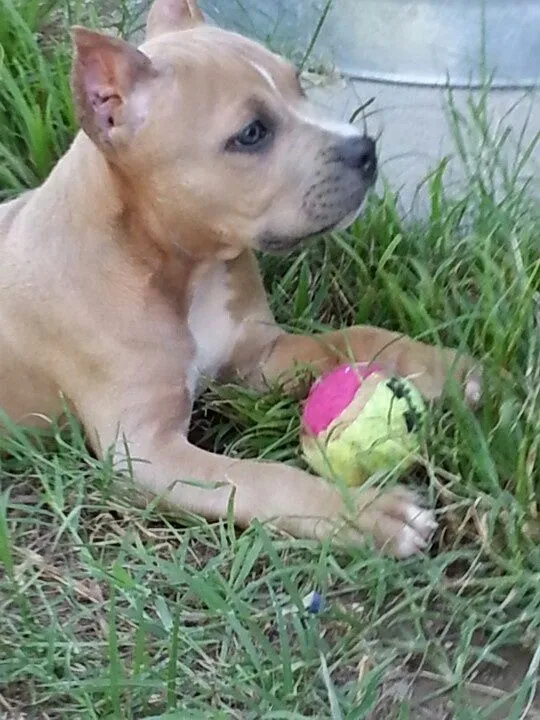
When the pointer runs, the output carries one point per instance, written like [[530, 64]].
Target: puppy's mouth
[[283, 244], [276, 244]]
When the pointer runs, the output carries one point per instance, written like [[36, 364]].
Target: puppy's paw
[[399, 525], [448, 368]]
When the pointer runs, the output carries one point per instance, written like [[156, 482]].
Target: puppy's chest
[[213, 329]]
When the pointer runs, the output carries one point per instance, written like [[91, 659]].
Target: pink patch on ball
[[332, 393]]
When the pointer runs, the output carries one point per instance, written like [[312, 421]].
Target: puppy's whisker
[[403, 156]]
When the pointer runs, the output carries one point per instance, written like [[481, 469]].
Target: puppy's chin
[[281, 244], [278, 244]]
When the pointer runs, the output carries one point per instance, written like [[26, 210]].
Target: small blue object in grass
[[313, 602]]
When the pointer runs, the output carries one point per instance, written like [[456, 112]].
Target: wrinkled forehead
[[222, 54]]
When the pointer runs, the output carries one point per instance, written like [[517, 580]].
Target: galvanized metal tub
[[425, 42]]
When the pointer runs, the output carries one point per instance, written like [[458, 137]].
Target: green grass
[[107, 611]]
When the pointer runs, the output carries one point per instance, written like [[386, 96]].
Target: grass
[[107, 611]]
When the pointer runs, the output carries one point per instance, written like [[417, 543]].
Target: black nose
[[359, 153]]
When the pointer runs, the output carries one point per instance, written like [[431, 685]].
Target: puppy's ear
[[107, 81], [171, 15]]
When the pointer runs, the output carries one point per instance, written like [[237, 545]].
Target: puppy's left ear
[[107, 81], [172, 15]]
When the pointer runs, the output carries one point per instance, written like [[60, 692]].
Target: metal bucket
[[463, 43]]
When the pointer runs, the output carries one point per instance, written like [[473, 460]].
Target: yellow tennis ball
[[357, 420]]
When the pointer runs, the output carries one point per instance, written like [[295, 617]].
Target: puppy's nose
[[359, 153]]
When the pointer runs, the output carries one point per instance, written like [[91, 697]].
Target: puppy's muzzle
[[359, 153], [346, 170]]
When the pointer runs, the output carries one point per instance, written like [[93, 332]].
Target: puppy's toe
[[421, 520], [408, 542], [403, 527], [415, 532]]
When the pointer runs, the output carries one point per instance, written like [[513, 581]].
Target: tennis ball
[[357, 420]]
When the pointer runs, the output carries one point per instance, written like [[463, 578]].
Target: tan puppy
[[128, 277]]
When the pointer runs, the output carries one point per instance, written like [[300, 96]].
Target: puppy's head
[[215, 138]]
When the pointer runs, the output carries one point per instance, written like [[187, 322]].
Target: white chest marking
[[213, 329]]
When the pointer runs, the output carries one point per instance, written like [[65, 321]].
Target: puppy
[[128, 277]]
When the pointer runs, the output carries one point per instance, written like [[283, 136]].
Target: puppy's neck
[[102, 203], [81, 187]]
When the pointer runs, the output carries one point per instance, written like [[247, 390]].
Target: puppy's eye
[[251, 138], [252, 134]]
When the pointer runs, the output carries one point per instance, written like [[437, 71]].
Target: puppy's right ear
[[172, 15], [106, 76]]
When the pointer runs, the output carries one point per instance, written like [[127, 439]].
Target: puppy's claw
[[423, 521], [409, 543], [414, 536], [401, 527]]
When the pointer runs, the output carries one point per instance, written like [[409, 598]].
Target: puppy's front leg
[[187, 478], [192, 479], [428, 366]]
